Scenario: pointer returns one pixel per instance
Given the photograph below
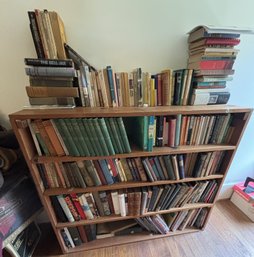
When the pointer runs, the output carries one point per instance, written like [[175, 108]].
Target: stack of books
[[212, 54], [48, 34], [51, 82]]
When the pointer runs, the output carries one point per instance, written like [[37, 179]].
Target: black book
[[155, 192], [36, 35], [167, 188], [49, 62], [42, 175], [167, 196], [172, 196], [60, 215], [181, 166], [159, 130], [75, 236], [199, 165], [77, 59]]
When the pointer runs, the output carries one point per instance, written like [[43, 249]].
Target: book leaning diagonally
[[222, 29]]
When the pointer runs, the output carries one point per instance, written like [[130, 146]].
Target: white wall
[[129, 34]]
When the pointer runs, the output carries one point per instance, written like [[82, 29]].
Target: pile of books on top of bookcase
[[212, 54]]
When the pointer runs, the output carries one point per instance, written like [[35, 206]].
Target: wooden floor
[[229, 233]]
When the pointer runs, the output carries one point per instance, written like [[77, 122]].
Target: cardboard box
[[244, 201]]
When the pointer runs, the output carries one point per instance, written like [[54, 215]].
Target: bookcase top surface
[[125, 111]]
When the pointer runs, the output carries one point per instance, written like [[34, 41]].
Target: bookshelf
[[240, 119]]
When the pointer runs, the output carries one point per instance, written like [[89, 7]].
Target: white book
[[67, 233], [121, 199], [85, 207], [115, 201]]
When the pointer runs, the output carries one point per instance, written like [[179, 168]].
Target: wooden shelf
[[138, 153], [120, 240], [83, 112], [118, 217], [121, 185]]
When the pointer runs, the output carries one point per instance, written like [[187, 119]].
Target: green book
[[77, 174], [67, 138], [106, 135], [123, 134], [169, 167], [80, 137], [74, 136], [137, 130], [178, 129], [100, 136], [95, 137], [115, 134], [90, 136], [113, 139], [86, 137]]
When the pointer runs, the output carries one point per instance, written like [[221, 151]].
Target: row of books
[[179, 130], [212, 54], [80, 137], [109, 136], [157, 224], [82, 174], [48, 34], [132, 202]]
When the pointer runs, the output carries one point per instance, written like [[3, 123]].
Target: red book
[[100, 172], [113, 169], [82, 234], [77, 205], [212, 65], [72, 207], [171, 132], [222, 41]]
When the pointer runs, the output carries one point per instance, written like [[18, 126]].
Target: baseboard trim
[[226, 191]]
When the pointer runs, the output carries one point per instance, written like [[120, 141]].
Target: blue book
[[150, 133], [106, 172]]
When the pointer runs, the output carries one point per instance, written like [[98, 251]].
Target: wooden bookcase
[[24, 137]]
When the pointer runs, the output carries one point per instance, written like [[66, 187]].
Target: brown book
[[105, 74], [60, 174], [45, 137], [183, 130], [140, 169], [171, 131], [52, 91], [55, 142], [137, 202], [125, 89], [57, 26], [131, 199], [82, 234], [100, 172], [110, 202], [167, 86]]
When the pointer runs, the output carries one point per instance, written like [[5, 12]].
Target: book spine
[[48, 62], [65, 208]]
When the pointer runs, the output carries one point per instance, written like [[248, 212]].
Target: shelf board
[[121, 185], [139, 153], [126, 111], [118, 217], [120, 240]]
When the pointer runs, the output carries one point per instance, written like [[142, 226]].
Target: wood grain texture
[[228, 233]]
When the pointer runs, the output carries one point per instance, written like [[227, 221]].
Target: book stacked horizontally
[[51, 82], [212, 54]]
